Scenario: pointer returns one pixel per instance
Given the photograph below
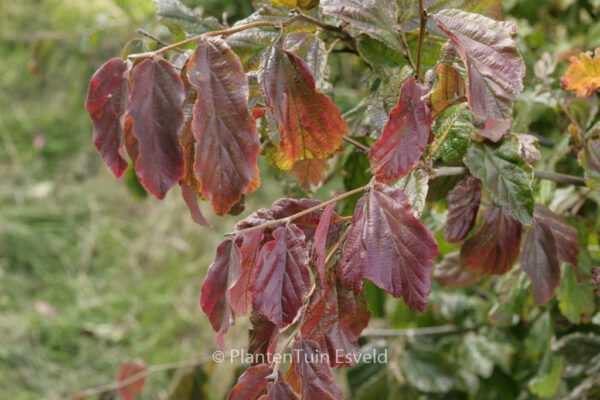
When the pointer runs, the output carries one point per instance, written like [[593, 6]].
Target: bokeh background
[[92, 273]]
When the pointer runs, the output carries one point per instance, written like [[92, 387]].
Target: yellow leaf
[[583, 75], [449, 89], [303, 4]]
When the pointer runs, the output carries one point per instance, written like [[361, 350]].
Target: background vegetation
[[93, 274]]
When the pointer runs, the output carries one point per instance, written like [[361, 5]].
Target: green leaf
[[179, 17], [378, 54], [581, 352], [426, 368], [375, 297], [369, 380], [575, 299], [453, 131], [539, 337], [415, 186], [376, 18], [356, 173], [192, 386], [546, 382], [505, 174], [482, 354], [589, 157]]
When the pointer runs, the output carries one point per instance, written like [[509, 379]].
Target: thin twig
[[150, 36], [560, 178], [412, 332], [360, 146], [406, 49], [422, 26], [545, 175], [239, 28], [228, 31], [140, 375], [291, 218], [320, 23]]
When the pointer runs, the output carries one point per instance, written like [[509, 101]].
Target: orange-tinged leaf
[[225, 131], [310, 173], [310, 124], [191, 200], [251, 384], [583, 75], [449, 89], [127, 373]]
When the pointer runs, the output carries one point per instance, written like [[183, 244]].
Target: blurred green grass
[[90, 276]]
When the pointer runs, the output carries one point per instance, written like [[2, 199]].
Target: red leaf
[[494, 248], [463, 204], [191, 200], [310, 124], [156, 110], [251, 384], [238, 295], [335, 320], [320, 241], [539, 261], [404, 136], [104, 104], [213, 299], [495, 129], [227, 141], [127, 372], [262, 337], [564, 234], [315, 374], [389, 246], [495, 69], [280, 390], [450, 274], [281, 280]]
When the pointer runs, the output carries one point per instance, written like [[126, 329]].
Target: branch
[[427, 331], [422, 26], [239, 28], [560, 178], [150, 36], [358, 145], [153, 369], [289, 219], [545, 175], [228, 31], [406, 49]]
